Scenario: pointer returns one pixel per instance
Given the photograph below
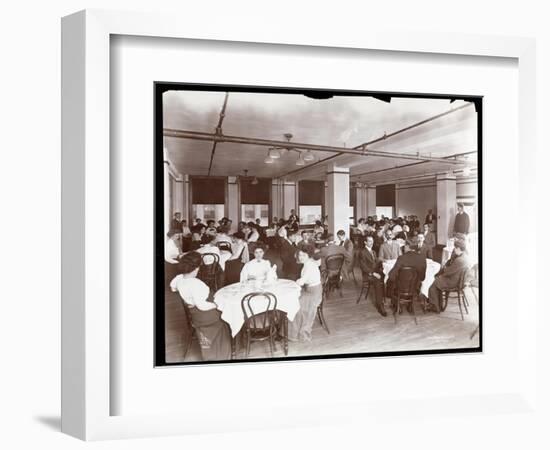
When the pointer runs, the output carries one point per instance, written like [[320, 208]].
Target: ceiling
[[339, 121]]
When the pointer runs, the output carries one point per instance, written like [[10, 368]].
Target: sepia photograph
[[304, 224]]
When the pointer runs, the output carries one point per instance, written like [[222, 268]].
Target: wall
[[416, 199]]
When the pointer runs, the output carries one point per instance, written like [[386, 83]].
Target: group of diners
[[192, 252]]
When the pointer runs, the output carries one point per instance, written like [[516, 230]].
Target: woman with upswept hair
[[213, 333]]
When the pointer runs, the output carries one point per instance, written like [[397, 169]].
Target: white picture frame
[[86, 383]]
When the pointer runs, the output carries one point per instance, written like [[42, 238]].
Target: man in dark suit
[[449, 275], [330, 249], [371, 268], [423, 249], [411, 258], [462, 221]]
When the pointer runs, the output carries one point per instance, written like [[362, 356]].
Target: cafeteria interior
[[350, 224]]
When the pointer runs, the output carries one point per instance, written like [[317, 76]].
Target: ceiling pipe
[[381, 138], [456, 155], [219, 137], [218, 131]]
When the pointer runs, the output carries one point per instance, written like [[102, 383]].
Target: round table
[[432, 268], [228, 300]]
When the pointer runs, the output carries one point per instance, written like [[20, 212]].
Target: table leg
[[234, 347]]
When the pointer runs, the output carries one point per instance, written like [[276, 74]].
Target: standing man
[[176, 223], [371, 267], [462, 221], [293, 217], [430, 218]]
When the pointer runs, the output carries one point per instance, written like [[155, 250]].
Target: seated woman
[[209, 247], [213, 333], [239, 257], [259, 268], [310, 298]]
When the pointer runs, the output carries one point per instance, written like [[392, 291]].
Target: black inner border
[[159, 313]]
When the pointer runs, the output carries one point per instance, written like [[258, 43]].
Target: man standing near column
[[462, 221]]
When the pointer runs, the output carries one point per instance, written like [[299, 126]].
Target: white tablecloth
[[228, 300], [432, 268]]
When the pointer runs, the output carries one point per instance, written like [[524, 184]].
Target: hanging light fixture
[[274, 153], [268, 159], [254, 181], [300, 161], [309, 156]]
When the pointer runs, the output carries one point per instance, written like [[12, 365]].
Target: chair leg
[[271, 342], [285, 337], [414, 312], [322, 319], [353, 275], [465, 300], [360, 295], [189, 342], [460, 305], [247, 343], [395, 308], [474, 293]]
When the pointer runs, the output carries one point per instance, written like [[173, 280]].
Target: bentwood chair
[[225, 246], [261, 319], [458, 290], [334, 265], [406, 291], [190, 329], [209, 270], [320, 311], [365, 287]]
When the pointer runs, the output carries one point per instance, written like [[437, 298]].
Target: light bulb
[[309, 156], [274, 153], [300, 161]]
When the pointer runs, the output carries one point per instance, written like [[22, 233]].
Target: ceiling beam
[[220, 137], [218, 130]]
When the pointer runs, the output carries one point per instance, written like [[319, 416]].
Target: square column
[[233, 212], [371, 201], [446, 206], [178, 196], [338, 199], [290, 201]]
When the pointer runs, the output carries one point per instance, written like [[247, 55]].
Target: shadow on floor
[[51, 422]]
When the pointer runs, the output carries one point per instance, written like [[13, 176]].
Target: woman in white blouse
[[258, 268], [172, 253], [312, 292], [213, 333]]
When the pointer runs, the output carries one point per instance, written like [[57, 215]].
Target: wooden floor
[[354, 328]]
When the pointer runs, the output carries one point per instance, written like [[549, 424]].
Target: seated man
[[449, 275], [330, 249], [411, 258], [424, 249], [390, 249], [371, 269], [347, 245]]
